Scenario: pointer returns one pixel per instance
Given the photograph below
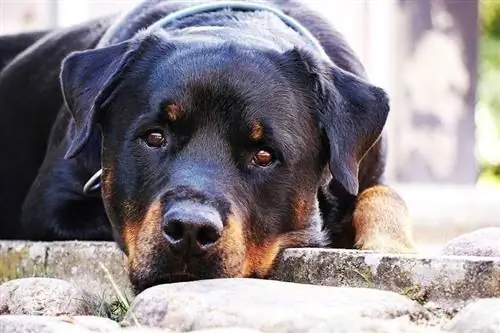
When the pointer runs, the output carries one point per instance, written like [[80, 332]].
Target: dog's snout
[[192, 227]]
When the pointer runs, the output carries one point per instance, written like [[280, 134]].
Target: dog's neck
[[179, 17], [237, 6]]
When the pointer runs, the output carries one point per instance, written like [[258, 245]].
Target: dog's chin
[[143, 284], [141, 280]]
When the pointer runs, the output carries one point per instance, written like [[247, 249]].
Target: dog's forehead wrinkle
[[218, 36], [197, 59]]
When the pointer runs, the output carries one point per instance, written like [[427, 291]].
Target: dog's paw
[[386, 244], [382, 222]]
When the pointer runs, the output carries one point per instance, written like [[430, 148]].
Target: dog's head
[[212, 154]]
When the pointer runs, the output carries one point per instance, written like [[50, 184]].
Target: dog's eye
[[155, 139], [263, 158]]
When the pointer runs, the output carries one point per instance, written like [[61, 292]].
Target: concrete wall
[[434, 102]]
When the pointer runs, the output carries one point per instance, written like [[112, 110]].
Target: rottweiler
[[203, 137]]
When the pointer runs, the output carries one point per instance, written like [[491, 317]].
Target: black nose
[[192, 227]]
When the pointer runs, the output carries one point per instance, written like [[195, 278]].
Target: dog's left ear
[[352, 114], [88, 79]]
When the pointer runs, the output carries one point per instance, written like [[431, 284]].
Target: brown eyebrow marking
[[172, 111], [256, 131]]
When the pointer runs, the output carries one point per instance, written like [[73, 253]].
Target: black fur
[[321, 119]]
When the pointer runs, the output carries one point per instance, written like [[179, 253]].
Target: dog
[[202, 137]]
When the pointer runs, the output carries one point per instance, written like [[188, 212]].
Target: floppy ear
[[352, 113], [88, 79]]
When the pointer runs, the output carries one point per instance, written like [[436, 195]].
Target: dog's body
[[227, 123]]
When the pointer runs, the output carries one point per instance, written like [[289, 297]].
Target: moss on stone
[[16, 263], [416, 293]]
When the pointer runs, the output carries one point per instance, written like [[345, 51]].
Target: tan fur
[[259, 259], [243, 255], [381, 222], [173, 112], [301, 212], [107, 182], [129, 235], [232, 245], [147, 227], [257, 131]]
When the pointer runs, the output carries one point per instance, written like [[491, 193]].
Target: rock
[[482, 316], [360, 325], [269, 306], [421, 278], [482, 242], [162, 330], [99, 266], [93, 323], [442, 312], [228, 330], [143, 330], [44, 296], [38, 324]]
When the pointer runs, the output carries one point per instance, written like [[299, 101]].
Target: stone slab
[[423, 278], [22, 259], [98, 267]]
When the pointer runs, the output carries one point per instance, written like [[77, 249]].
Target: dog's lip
[[177, 277], [180, 274], [168, 278]]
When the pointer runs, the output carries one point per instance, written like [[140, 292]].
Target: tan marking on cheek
[[107, 182], [136, 234], [301, 212], [151, 224], [244, 256], [260, 258], [256, 131], [131, 226], [381, 221], [173, 112], [130, 231], [232, 245]]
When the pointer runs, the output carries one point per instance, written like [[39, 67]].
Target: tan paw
[[386, 244]]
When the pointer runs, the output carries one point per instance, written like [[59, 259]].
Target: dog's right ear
[[88, 78]]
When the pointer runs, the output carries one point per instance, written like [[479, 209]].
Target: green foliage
[[488, 90], [489, 16], [489, 55], [489, 74]]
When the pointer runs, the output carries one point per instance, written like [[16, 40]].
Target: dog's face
[[212, 155]]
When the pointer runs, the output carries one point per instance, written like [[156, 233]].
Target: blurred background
[[438, 59]]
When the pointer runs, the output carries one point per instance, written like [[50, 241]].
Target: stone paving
[[83, 287]]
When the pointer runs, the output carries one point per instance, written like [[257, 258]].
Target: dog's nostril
[[207, 235], [174, 230]]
